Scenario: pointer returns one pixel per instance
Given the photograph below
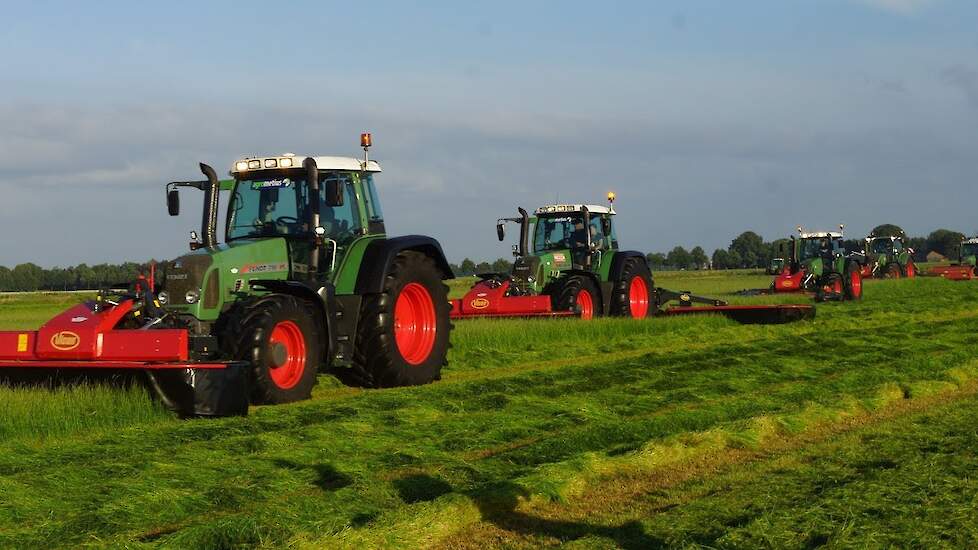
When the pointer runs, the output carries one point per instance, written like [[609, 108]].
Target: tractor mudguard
[[618, 263], [381, 252], [323, 296]]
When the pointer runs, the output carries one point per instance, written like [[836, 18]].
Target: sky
[[707, 118]]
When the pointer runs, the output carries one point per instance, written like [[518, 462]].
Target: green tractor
[[568, 263], [819, 263], [887, 257], [306, 280], [965, 268]]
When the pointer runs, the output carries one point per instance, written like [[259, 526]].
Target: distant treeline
[[30, 277]]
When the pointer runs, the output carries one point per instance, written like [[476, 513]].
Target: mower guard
[[84, 339], [953, 272], [488, 298]]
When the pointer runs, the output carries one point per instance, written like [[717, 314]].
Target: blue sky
[[707, 118]]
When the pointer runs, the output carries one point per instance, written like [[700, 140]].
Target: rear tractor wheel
[[911, 270], [402, 339], [281, 337], [893, 271], [633, 291], [578, 294]]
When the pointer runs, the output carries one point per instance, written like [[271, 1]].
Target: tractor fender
[[322, 297], [618, 263], [380, 253]]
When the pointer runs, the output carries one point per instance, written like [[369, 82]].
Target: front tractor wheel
[[280, 336], [893, 271], [854, 283], [830, 288], [911, 270], [578, 294], [633, 291], [402, 339]]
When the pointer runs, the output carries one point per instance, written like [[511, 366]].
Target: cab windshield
[[814, 248], [559, 233], [882, 246], [278, 206]]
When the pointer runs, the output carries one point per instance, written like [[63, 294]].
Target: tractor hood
[[199, 283]]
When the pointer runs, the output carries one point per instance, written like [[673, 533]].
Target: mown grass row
[[526, 408]]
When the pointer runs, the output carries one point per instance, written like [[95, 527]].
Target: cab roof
[[972, 240], [821, 235], [571, 208], [290, 160]]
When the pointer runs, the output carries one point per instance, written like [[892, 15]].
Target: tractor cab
[[968, 252], [813, 249]]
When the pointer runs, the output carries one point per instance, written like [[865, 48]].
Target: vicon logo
[[65, 340], [479, 303]]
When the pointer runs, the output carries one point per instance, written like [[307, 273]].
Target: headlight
[[241, 165], [253, 164], [192, 296], [271, 163], [285, 163], [163, 297]]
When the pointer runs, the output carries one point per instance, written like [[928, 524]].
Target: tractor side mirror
[[781, 249], [606, 226], [334, 192], [501, 231], [173, 202]]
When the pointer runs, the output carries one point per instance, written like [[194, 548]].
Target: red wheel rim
[[415, 323], [856, 281], [638, 297], [586, 304], [288, 335], [911, 271]]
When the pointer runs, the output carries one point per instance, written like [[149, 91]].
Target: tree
[[27, 277], [919, 246], [780, 248], [656, 259], [887, 230], [944, 241], [679, 258], [697, 257], [483, 267], [750, 248], [502, 265], [721, 259], [467, 267], [6, 280], [734, 261]]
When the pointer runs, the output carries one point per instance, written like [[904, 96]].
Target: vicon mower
[[572, 266], [818, 263], [306, 279], [966, 268], [888, 257]]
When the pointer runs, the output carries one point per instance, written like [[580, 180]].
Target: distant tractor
[[818, 263], [887, 257], [965, 268], [307, 279], [568, 263], [776, 266]]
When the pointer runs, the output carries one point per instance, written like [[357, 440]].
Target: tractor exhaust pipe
[[524, 231], [312, 179], [208, 225]]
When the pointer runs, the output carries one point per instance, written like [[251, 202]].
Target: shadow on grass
[[498, 506], [328, 478]]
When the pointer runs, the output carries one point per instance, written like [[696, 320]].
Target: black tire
[[247, 332], [565, 296], [893, 271], [621, 305], [853, 282], [824, 292], [378, 360]]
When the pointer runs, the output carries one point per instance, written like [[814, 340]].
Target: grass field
[[856, 429]]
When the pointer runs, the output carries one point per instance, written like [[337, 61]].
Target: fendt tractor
[[573, 266], [818, 262], [306, 280], [965, 268], [888, 257]]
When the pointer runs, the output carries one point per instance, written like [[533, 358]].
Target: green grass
[[533, 422]]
